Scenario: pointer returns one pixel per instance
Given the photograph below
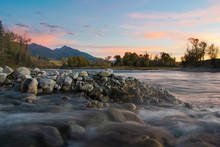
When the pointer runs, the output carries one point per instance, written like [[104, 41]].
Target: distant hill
[[38, 50], [65, 51]]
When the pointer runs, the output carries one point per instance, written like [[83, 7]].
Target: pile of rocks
[[103, 86]]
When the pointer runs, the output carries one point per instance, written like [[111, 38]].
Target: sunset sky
[[110, 27]]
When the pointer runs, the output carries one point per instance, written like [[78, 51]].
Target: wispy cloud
[[50, 26], [22, 25]]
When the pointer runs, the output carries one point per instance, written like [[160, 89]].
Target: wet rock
[[106, 73], [75, 75], [66, 98], [8, 70], [119, 134], [3, 77], [36, 70], [121, 115], [30, 86], [94, 104], [42, 74], [30, 98], [22, 71], [129, 106], [51, 136], [79, 79], [31, 135], [85, 87], [57, 87], [47, 85], [76, 131], [83, 74], [1, 69], [68, 81]]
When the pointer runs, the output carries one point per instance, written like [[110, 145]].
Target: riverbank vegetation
[[196, 53], [14, 52]]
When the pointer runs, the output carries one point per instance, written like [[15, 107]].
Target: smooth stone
[[106, 73], [121, 115], [76, 131], [75, 75], [22, 70], [83, 74], [68, 81], [36, 70], [30, 98], [8, 70], [30, 86], [3, 77], [1, 69], [129, 106], [47, 85]]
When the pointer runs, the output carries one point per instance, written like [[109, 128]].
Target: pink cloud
[[48, 39]]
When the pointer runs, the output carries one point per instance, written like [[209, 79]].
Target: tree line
[[197, 51], [14, 50], [144, 60]]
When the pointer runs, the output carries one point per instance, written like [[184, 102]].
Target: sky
[[113, 27]]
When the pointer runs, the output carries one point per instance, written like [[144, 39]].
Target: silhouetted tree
[[118, 60], [213, 52]]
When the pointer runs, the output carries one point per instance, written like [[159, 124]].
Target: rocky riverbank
[[104, 86], [58, 109]]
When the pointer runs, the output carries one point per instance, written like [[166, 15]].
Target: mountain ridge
[[65, 51]]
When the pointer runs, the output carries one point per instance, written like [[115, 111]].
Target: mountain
[[38, 50], [65, 51]]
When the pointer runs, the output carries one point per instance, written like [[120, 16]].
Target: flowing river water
[[199, 126]]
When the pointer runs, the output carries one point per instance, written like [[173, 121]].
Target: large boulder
[[31, 136], [8, 70], [130, 134], [3, 77], [30, 86], [23, 71], [47, 85], [121, 115]]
